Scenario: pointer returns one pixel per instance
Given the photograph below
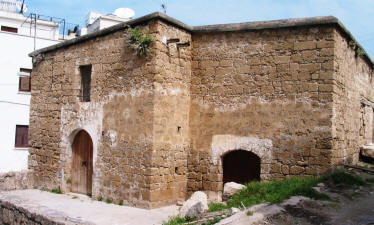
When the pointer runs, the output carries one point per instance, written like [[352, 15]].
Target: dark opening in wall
[[9, 29], [241, 167], [85, 83]]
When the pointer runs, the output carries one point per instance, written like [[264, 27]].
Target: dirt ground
[[348, 206]]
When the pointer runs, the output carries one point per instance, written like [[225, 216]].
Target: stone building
[[235, 102]]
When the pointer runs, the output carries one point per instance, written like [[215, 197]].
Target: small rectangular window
[[85, 82], [24, 84], [22, 132], [9, 29]]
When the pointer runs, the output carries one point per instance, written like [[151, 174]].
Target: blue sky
[[356, 15]]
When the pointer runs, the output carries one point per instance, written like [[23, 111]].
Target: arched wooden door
[[82, 168]]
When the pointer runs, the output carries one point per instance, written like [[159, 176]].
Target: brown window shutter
[[24, 84], [22, 132]]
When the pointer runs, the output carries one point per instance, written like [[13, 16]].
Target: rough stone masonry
[[293, 93]]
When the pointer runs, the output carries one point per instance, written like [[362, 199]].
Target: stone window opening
[[85, 72], [241, 167]]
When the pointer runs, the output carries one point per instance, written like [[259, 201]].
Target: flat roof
[[247, 26]]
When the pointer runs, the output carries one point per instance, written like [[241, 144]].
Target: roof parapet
[[247, 26]]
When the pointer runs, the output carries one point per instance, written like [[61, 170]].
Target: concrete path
[[82, 210]]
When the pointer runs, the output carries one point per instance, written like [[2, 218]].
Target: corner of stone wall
[[353, 84]]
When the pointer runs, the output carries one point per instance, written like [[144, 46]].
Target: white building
[[96, 21], [19, 35]]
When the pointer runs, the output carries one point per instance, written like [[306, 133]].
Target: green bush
[[139, 42]]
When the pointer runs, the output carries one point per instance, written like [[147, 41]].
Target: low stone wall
[[11, 214], [15, 181]]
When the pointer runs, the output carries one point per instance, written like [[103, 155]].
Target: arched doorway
[[82, 168], [241, 167]]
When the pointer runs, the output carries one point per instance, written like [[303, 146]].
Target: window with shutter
[[24, 80], [24, 84], [22, 132]]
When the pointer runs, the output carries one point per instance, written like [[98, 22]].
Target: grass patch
[[57, 190], [175, 220], [370, 180], [120, 202], [341, 177], [212, 221], [74, 197], [249, 213], [276, 191], [213, 207], [68, 181], [100, 198], [108, 201]]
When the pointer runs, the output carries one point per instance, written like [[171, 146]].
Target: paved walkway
[[82, 210]]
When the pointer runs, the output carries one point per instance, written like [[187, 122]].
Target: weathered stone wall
[[353, 98], [11, 214], [119, 117], [168, 181], [15, 180], [161, 125], [266, 91]]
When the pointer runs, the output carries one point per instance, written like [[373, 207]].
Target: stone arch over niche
[[224, 144]]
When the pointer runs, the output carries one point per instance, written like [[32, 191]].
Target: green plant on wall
[[139, 41], [359, 52]]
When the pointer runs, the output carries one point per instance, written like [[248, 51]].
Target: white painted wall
[[14, 106], [103, 22]]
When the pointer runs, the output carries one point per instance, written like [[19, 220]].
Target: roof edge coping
[[258, 25]]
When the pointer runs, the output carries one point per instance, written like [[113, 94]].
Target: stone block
[[306, 45]]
